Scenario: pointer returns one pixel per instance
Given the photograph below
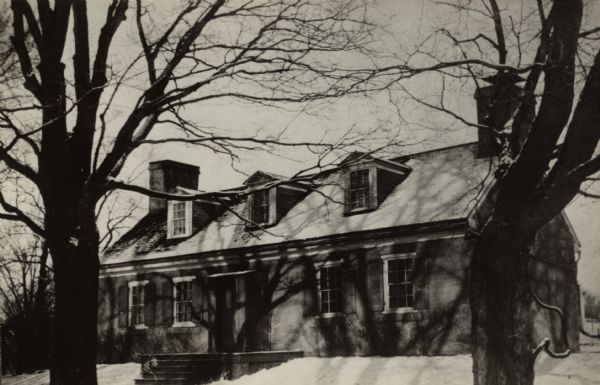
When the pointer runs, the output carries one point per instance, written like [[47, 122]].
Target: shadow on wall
[[277, 303]]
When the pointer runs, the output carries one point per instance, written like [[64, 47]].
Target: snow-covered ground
[[578, 369], [120, 374]]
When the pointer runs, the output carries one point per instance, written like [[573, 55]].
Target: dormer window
[[179, 219], [368, 181], [359, 189], [260, 207]]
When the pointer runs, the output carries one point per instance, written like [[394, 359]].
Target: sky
[[406, 22]]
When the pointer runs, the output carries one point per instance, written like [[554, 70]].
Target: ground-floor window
[[398, 275], [330, 289], [137, 298], [183, 300]]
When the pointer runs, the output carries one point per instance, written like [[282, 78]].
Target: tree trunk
[[502, 314], [76, 269]]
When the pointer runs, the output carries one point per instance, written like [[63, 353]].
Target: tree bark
[[76, 269], [502, 313]]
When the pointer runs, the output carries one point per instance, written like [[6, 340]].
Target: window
[[260, 207], [183, 301], [358, 193], [179, 219], [330, 289], [137, 298], [398, 282]]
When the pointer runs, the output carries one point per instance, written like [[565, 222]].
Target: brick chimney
[[166, 175], [501, 97]]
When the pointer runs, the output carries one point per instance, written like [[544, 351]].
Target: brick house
[[373, 261]]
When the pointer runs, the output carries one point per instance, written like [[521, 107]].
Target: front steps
[[198, 368]]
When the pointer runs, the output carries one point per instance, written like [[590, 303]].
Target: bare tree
[[546, 133], [60, 138], [26, 293]]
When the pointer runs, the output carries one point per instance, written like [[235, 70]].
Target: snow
[[578, 369], [119, 374]]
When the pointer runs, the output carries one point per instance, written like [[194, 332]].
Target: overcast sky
[[407, 21]]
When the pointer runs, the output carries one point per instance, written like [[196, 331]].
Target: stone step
[[170, 381]]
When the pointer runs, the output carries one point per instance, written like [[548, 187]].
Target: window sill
[[187, 324], [330, 315], [360, 210], [402, 310], [139, 327]]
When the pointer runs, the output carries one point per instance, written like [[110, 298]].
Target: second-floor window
[[179, 219], [359, 189], [330, 289], [260, 207]]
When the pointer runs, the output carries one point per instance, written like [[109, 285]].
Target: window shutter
[[349, 291], [375, 283], [170, 219], [189, 212], [149, 301], [421, 282], [273, 205], [346, 188], [249, 214], [310, 303], [198, 300], [167, 303], [123, 305], [373, 200]]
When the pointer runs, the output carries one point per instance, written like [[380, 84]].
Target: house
[[373, 260]]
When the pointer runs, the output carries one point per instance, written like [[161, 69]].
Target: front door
[[226, 305]]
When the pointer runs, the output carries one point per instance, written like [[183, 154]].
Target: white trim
[[188, 219], [328, 263], [386, 287], [193, 262], [188, 278], [137, 283], [187, 324]]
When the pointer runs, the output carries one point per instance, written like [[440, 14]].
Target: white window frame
[[132, 284], [180, 324], [271, 194], [188, 219], [386, 285], [372, 188], [318, 267]]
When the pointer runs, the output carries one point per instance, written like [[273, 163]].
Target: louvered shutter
[[198, 300], [421, 282], [123, 305], [310, 303], [375, 283], [149, 303], [167, 303]]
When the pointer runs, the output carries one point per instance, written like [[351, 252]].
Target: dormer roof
[[261, 177]]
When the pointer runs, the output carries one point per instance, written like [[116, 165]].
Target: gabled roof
[[444, 185], [260, 177]]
